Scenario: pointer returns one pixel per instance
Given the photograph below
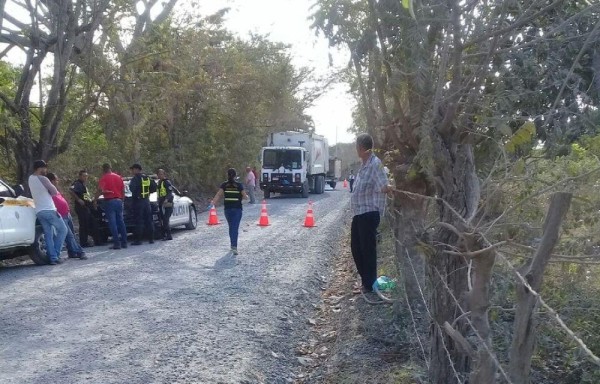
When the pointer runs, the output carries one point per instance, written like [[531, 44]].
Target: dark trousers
[[142, 212], [233, 216], [351, 185], [363, 242], [87, 224], [165, 215]]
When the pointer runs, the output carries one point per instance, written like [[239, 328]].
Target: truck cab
[[284, 170], [294, 162]]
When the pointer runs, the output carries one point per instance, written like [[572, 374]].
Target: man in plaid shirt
[[368, 203]]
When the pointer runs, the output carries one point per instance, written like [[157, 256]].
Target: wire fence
[[440, 280]]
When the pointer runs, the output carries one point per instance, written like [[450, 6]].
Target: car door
[[17, 219], [180, 213]]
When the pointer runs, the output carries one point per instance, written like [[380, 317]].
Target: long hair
[[231, 174]]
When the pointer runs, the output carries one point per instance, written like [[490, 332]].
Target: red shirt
[[62, 207], [112, 186]]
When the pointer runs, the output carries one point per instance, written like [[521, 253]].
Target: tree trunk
[[409, 213], [448, 275], [525, 323], [484, 366]]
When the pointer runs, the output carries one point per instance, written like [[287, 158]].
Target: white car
[[184, 213], [20, 233], [184, 209]]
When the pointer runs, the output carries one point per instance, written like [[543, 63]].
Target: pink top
[[62, 207]]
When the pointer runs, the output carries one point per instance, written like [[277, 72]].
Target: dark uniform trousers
[[143, 219], [363, 242], [87, 225], [165, 216]]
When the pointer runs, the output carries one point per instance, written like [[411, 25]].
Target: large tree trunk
[[484, 366], [409, 213], [523, 341], [448, 274]]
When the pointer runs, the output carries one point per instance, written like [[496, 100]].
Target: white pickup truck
[[20, 234]]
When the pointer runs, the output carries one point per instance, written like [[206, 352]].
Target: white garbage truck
[[294, 162]]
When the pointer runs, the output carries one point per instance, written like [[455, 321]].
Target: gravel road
[[185, 311]]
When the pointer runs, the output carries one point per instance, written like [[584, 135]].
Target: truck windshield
[[288, 158]]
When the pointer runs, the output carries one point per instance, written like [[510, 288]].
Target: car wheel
[[158, 232], [37, 251], [305, 189], [193, 222]]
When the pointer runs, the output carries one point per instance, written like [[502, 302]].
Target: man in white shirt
[[250, 184], [55, 230]]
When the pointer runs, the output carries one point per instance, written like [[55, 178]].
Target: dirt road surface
[[184, 311]]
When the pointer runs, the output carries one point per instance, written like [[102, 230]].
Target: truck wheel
[[193, 222], [320, 185], [37, 251], [305, 189], [332, 184], [267, 194]]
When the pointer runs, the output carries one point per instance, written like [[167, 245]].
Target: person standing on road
[[166, 194], [256, 178], [250, 184], [368, 204], [62, 207], [234, 193], [351, 180], [83, 208], [141, 186], [112, 188], [55, 230]]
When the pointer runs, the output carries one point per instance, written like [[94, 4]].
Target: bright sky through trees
[[287, 21]]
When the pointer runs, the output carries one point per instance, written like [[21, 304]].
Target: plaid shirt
[[370, 180]]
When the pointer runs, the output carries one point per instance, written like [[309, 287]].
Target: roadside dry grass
[[357, 342]]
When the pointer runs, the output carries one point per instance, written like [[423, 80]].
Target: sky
[[287, 21]]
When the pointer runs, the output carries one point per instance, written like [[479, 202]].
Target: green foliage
[[522, 137]]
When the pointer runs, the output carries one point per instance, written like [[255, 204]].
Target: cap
[[39, 164], [136, 166]]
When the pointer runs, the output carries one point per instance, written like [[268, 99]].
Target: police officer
[[84, 208], [141, 186], [166, 192]]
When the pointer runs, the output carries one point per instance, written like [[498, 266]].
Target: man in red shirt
[[112, 189]]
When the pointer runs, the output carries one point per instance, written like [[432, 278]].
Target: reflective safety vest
[[233, 195], [162, 190], [145, 187]]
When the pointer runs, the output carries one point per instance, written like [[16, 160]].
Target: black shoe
[[124, 245], [115, 247], [136, 243], [151, 242], [53, 262], [169, 238], [87, 245]]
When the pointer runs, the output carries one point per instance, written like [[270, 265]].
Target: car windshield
[[5, 190], [288, 158]]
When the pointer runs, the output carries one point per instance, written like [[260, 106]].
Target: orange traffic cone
[[264, 217], [212, 217], [345, 183], [309, 221]]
